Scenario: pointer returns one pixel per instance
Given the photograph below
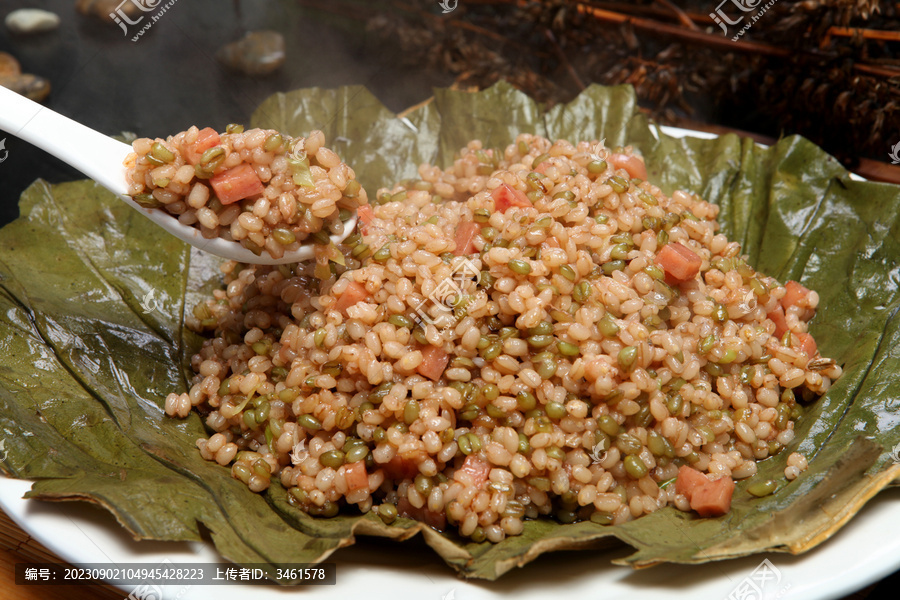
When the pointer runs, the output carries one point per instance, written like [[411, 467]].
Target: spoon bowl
[[102, 159]]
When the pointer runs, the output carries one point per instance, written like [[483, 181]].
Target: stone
[[31, 86], [9, 65], [11, 77], [257, 53], [103, 9], [31, 20]]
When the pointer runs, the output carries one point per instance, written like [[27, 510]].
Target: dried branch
[[712, 40], [868, 34], [461, 25], [683, 18], [876, 70], [648, 11]]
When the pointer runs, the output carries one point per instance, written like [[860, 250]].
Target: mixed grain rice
[[304, 188], [575, 387]]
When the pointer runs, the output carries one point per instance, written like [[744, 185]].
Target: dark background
[[169, 79]]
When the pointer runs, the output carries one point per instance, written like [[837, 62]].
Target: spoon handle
[[94, 154]]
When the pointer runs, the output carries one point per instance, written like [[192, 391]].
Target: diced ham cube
[[236, 184], [777, 317], [476, 468], [465, 238], [714, 498], [633, 164], [356, 476], [679, 262], [506, 196], [366, 216], [688, 480], [794, 294], [434, 361], [399, 468], [355, 292], [708, 498], [207, 139]]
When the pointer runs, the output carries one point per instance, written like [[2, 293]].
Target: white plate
[[864, 551]]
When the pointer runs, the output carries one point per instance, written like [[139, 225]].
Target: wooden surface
[[9, 589], [16, 546]]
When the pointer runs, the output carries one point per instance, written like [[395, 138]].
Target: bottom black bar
[[167, 573]]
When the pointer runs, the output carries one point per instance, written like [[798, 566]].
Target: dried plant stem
[[683, 17], [868, 34]]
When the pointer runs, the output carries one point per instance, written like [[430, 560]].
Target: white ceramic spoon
[[101, 158]]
